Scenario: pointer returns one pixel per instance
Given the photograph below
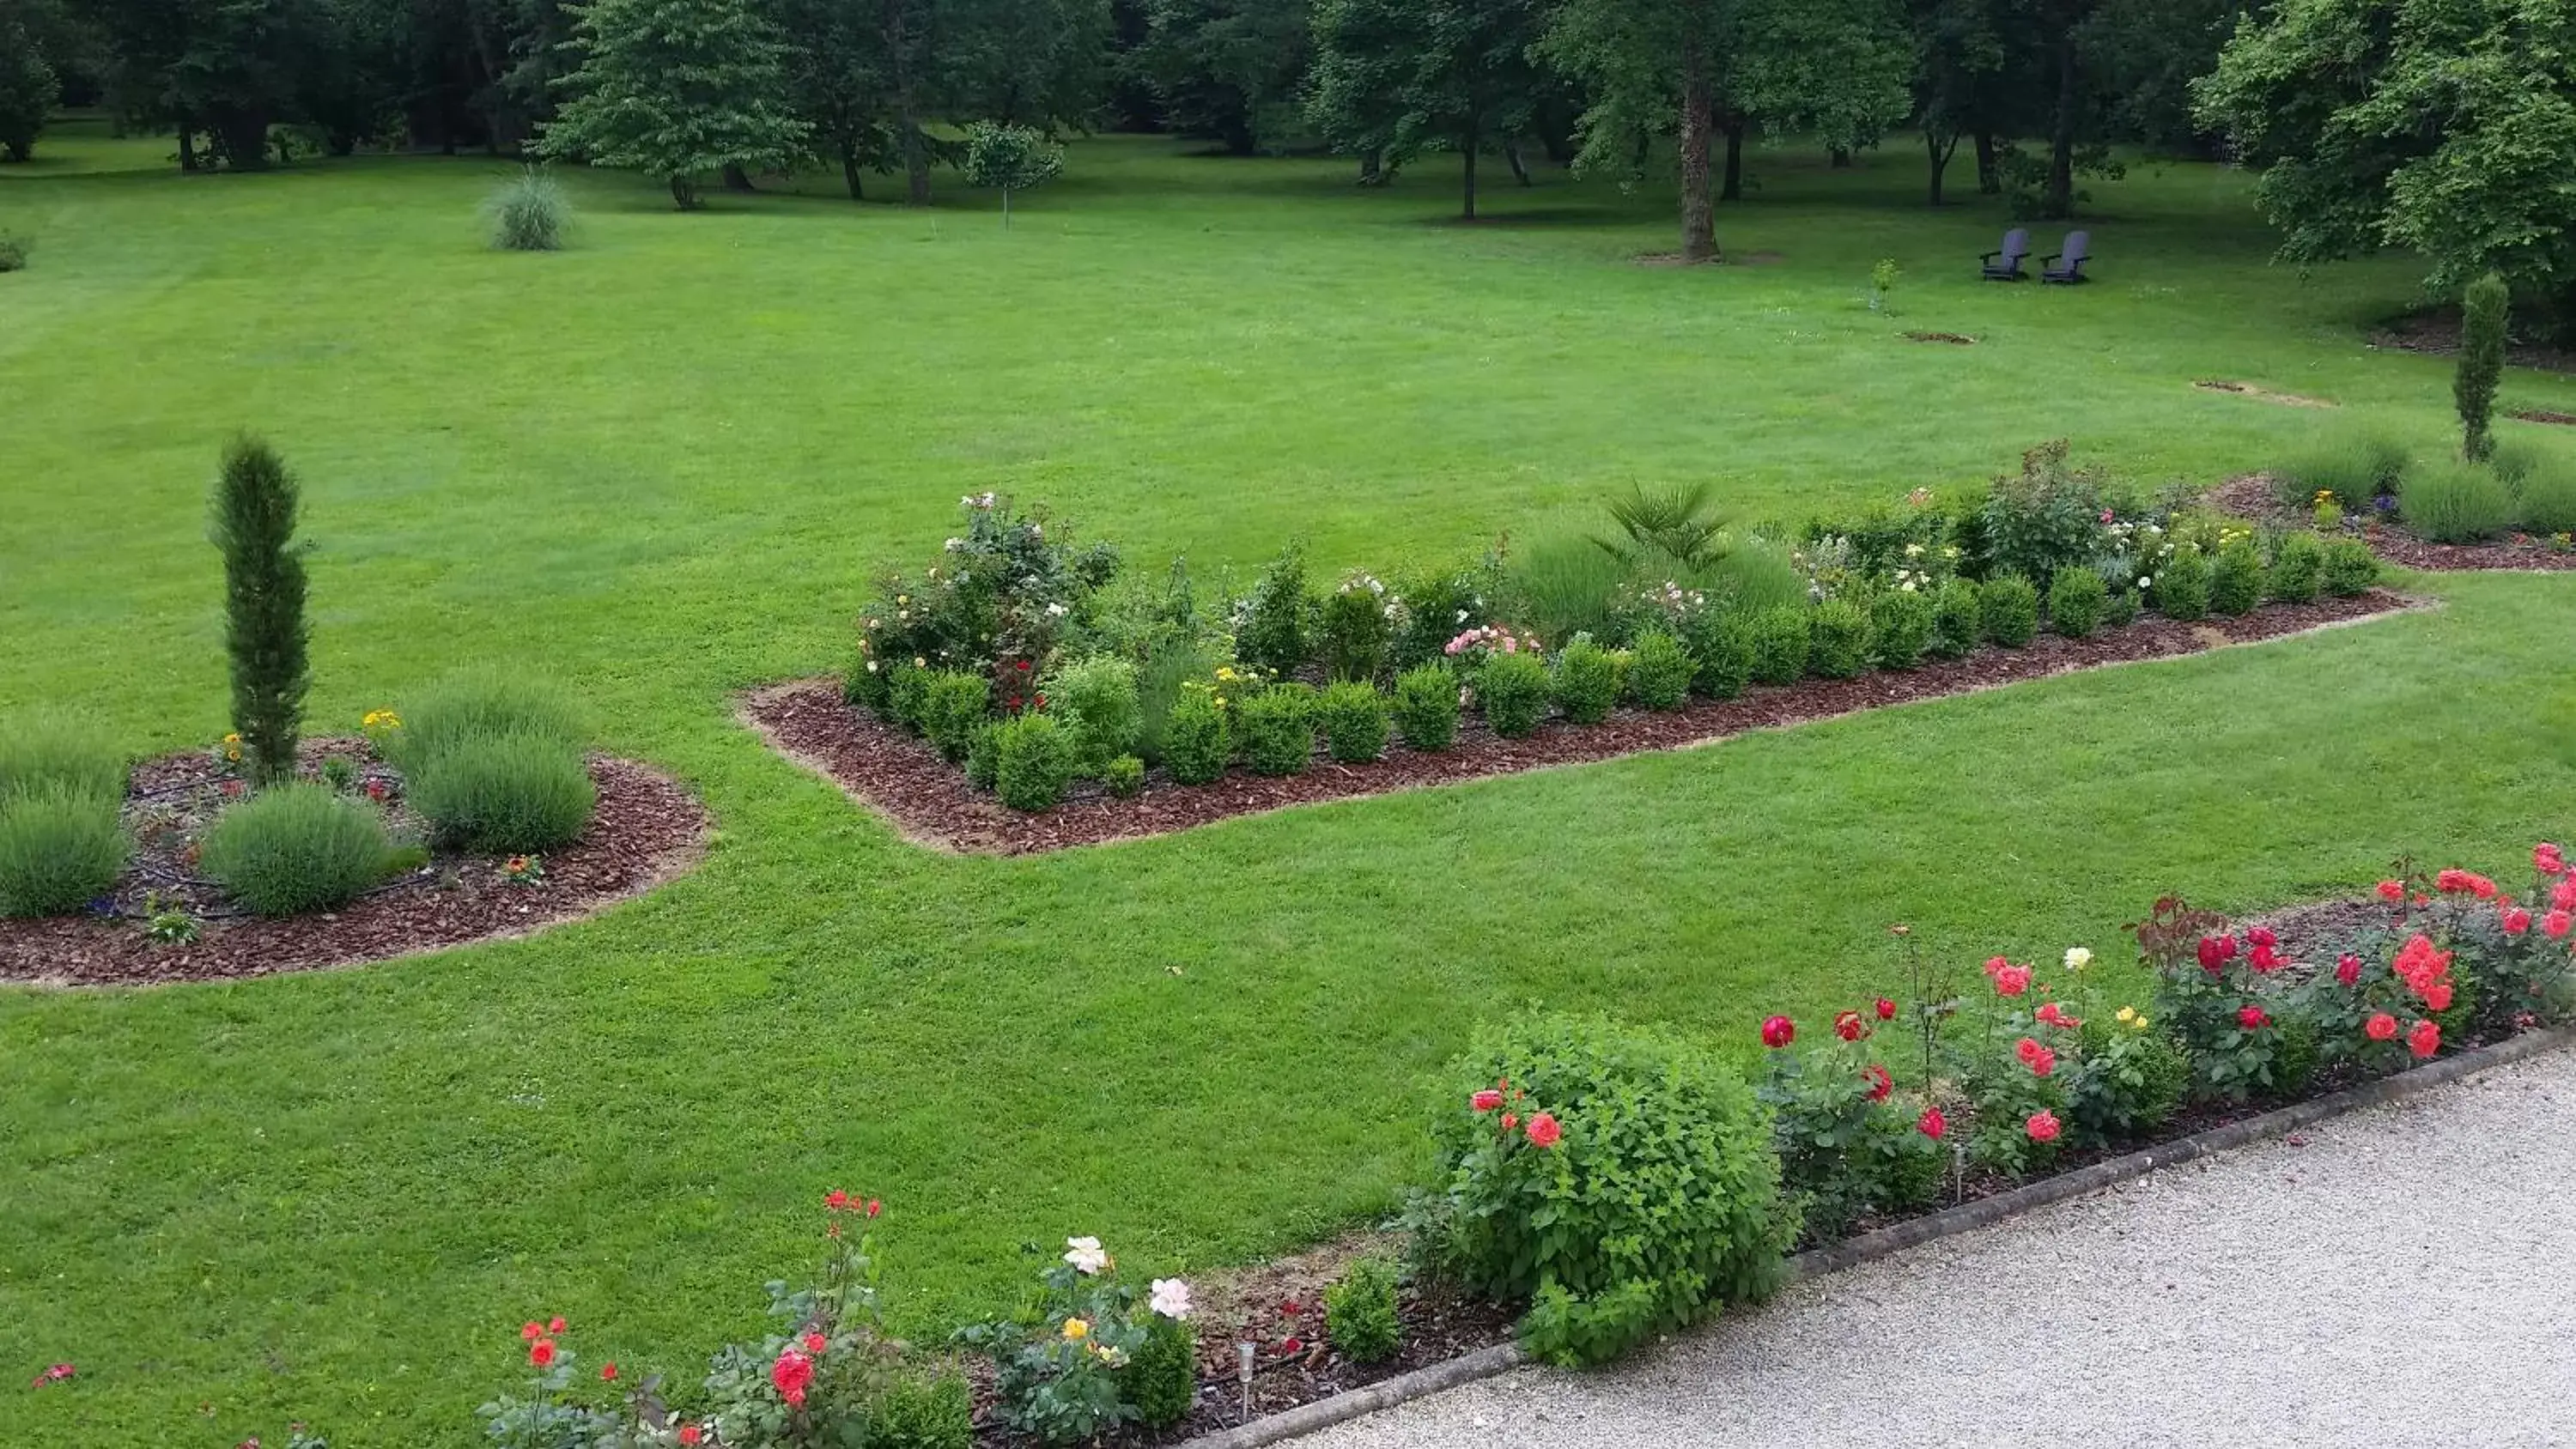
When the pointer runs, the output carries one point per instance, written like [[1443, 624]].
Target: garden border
[[1931, 1227]]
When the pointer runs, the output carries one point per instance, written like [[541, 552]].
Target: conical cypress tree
[[2483, 315], [254, 526]]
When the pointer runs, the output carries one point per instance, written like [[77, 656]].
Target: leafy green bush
[[1159, 684], [907, 690], [914, 1412], [1276, 729], [528, 213], [1587, 682], [1659, 1199], [1780, 642], [1721, 648], [1426, 707], [1512, 691], [1837, 639], [1356, 630], [2120, 610], [507, 792], [1125, 777], [1197, 741], [2047, 517], [2350, 567], [1659, 676], [2355, 467], [1033, 761], [13, 254], [2127, 1081], [1353, 716], [1437, 604], [1900, 628], [2456, 502], [984, 755], [1163, 1378], [2008, 609], [2077, 598], [1094, 700], [296, 847], [54, 749], [1278, 628], [2298, 568], [2236, 580], [1360, 1312], [61, 847], [2182, 590], [951, 705], [2547, 497], [479, 704], [1958, 619]]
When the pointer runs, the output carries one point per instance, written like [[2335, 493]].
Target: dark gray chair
[[2005, 265], [2066, 266]]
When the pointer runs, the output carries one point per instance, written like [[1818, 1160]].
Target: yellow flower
[[2140, 1023], [1076, 1330], [2128, 1013]]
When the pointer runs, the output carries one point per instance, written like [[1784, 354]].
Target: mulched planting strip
[[2250, 496], [904, 778]]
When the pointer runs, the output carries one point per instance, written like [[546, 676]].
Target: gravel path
[[2406, 1276]]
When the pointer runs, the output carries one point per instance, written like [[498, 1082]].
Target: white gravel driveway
[[2405, 1277]]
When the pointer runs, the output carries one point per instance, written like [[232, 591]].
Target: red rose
[[2516, 920], [2261, 937], [1292, 1346], [2044, 1063], [1486, 1100], [556, 1326], [2027, 1050], [1886, 1009], [2425, 1039], [2216, 952], [2348, 968], [2481, 887], [2546, 859], [791, 1374], [2562, 896], [1511, 1120], [1847, 1025], [2437, 996], [1778, 1032], [836, 1200], [1543, 1131], [2042, 1126], [2266, 959], [2055, 1015], [1880, 1083], [530, 1333], [2556, 923], [1996, 963], [1021, 665], [2380, 1027], [608, 1373], [1932, 1124], [2252, 1018], [692, 1436], [2451, 879], [875, 1207], [542, 1352], [2392, 890], [2011, 980], [815, 1343]]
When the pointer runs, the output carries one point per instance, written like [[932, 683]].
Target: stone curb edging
[[1914, 1232]]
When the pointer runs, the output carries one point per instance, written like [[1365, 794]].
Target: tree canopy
[[675, 89]]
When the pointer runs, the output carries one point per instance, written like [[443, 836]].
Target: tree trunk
[[684, 193], [2059, 200], [1699, 219], [245, 140], [1989, 173], [916, 157], [737, 179], [850, 169], [1520, 168], [1838, 157], [1939, 152], [187, 147], [1473, 143], [1372, 168], [1734, 188], [1006, 208]]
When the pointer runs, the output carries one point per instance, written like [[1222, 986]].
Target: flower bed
[[2256, 495]]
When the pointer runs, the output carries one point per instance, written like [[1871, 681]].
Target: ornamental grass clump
[[49, 749], [478, 705], [61, 847], [529, 213], [2457, 502], [511, 792], [296, 848], [1426, 707]]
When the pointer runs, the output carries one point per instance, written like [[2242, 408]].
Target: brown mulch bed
[[2544, 415], [646, 831], [2247, 389], [1955, 339], [2436, 330], [927, 798], [2250, 496]]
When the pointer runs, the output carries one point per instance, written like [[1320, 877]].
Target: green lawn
[[663, 463]]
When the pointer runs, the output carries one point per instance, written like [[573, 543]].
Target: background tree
[[1836, 70], [2473, 387], [840, 75], [1651, 68], [675, 88], [264, 631], [1229, 71], [1399, 77], [1963, 55], [1008, 158], [28, 86]]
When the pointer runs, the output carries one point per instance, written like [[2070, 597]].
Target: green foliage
[[2356, 467], [2126, 1083], [1356, 630], [1426, 707], [1660, 1201], [1160, 682], [1065, 1388], [2182, 590], [984, 755], [675, 89], [1007, 158], [950, 705], [1276, 629], [2483, 309], [264, 630], [2077, 599], [2045, 518], [2008, 609], [2236, 580], [1033, 761], [61, 846], [52, 748], [1198, 740], [1095, 700], [2298, 568], [1679, 524], [2546, 496], [1847, 1147], [1958, 619], [1163, 1377], [1659, 677], [1781, 638], [528, 213], [513, 792], [13, 254], [1721, 649], [1900, 628], [1276, 729], [1587, 682], [1397, 78], [2350, 567], [2456, 502], [915, 1412], [1125, 777], [1354, 719], [29, 90], [295, 848], [1437, 606], [1360, 1312], [479, 704], [1512, 690], [1563, 584], [1837, 639]]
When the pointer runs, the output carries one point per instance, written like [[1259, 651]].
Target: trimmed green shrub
[[1356, 631], [296, 847], [479, 704], [1125, 777], [50, 749], [923, 1413], [1659, 1200], [2182, 590], [1196, 740], [2236, 580], [2456, 502], [1278, 630], [2350, 567], [905, 688], [1353, 716], [2077, 599], [1512, 691], [1033, 761], [2121, 609], [2547, 499], [13, 254], [1659, 670], [2355, 467], [952, 704], [61, 847], [1426, 707], [505, 793], [2298, 568], [1780, 643], [1721, 648], [2008, 609], [1900, 628], [528, 213], [1276, 729], [1094, 700], [1162, 1380], [983, 755], [264, 629], [1587, 682], [1360, 1312], [1837, 639], [2483, 309], [1958, 619]]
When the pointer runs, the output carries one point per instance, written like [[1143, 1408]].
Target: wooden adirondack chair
[[2066, 266], [2005, 265]]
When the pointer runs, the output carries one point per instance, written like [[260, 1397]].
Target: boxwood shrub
[[2008, 608], [1512, 691], [1780, 644], [1587, 682], [952, 705], [2236, 581], [1958, 619], [2182, 590], [1033, 761], [1353, 716], [1659, 673], [2298, 568], [1426, 707], [1197, 740], [2077, 599], [1276, 729], [1721, 648], [2350, 567], [1837, 639], [1900, 628]]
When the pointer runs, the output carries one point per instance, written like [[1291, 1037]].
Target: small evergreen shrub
[[1125, 777], [1838, 639], [2483, 315], [1277, 632], [2121, 609], [1426, 707], [264, 629], [923, 1413], [516, 793], [1196, 740], [1512, 691], [1033, 761], [1587, 682], [2298, 568], [1360, 1312], [1162, 1380], [2077, 599], [1354, 718], [1958, 619], [61, 847], [2350, 567], [477, 705], [1659, 670], [1900, 628], [2547, 499], [1780, 643], [983, 755], [907, 689], [1276, 729], [1094, 700], [295, 848], [2456, 502], [2008, 609], [2182, 590], [1721, 648], [49, 749], [952, 704], [528, 213], [1356, 630], [2236, 580], [13, 254]]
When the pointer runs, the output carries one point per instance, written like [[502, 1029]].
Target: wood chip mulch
[[647, 830], [2250, 496], [928, 799]]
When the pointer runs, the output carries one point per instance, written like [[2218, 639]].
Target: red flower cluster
[[790, 1375], [2426, 971], [2555, 925], [837, 1201], [1880, 1083], [2216, 952], [692, 1436], [2043, 1126], [1778, 1032], [2039, 1059], [2464, 882], [1847, 1025], [1486, 1100], [2515, 920], [2009, 980], [2055, 1015], [2267, 956]]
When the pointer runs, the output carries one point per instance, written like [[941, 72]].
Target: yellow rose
[[1076, 1330], [2127, 1013]]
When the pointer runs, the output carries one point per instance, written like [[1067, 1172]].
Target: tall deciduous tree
[[1227, 70], [675, 88], [264, 631], [1400, 77], [1965, 53], [28, 88], [1651, 67]]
